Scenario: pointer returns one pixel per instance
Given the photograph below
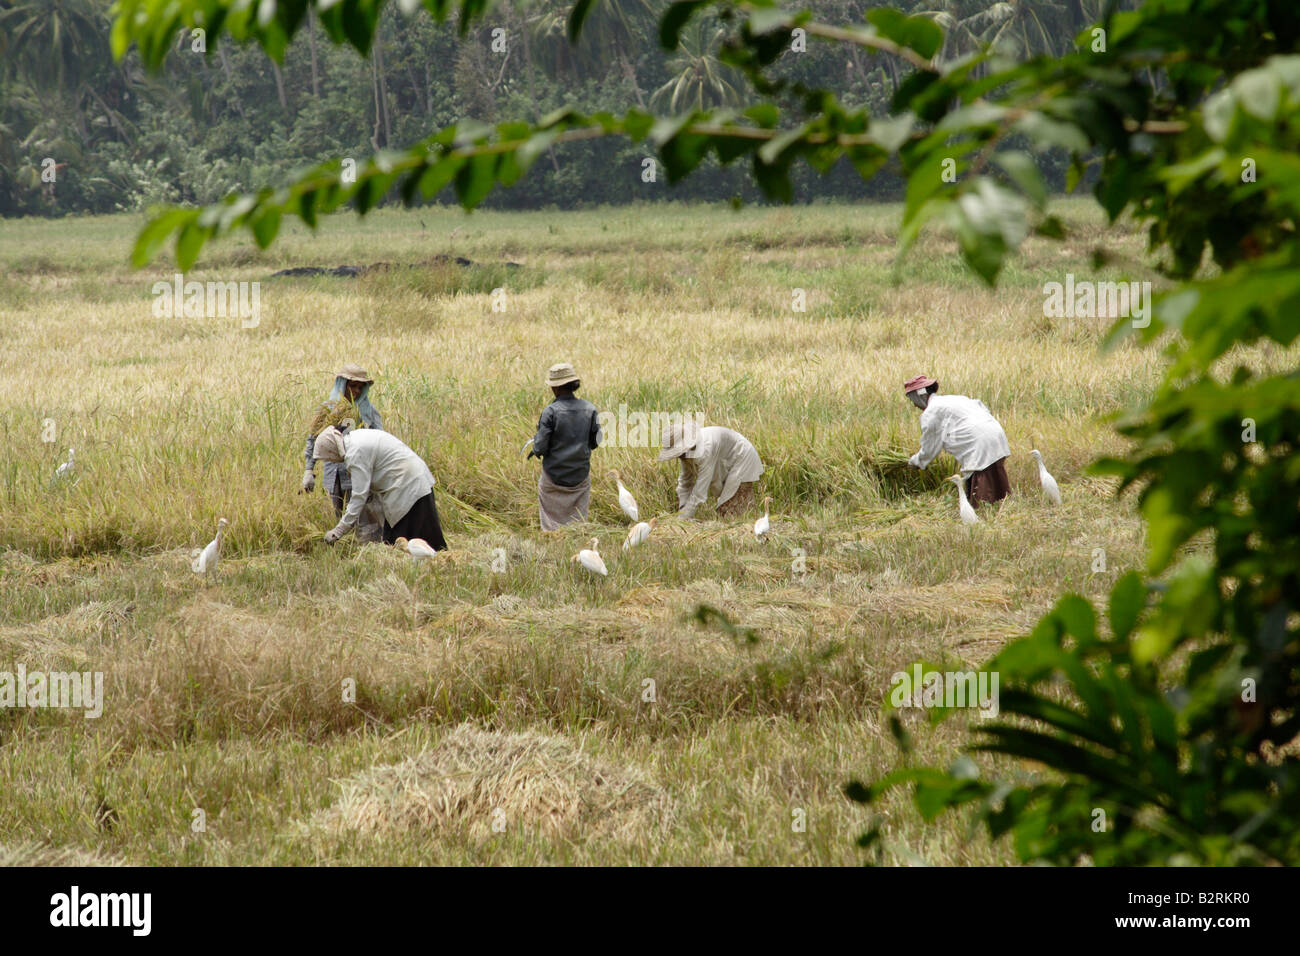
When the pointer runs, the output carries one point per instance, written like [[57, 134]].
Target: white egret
[[66, 469], [968, 515], [1050, 488], [205, 561], [590, 559], [640, 531], [417, 548], [764, 524], [625, 499]]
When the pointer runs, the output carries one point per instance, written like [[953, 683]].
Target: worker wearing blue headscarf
[[352, 385]]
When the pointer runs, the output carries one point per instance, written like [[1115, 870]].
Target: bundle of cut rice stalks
[[889, 465], [336, 413]]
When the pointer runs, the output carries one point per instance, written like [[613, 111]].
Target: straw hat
[[921, 381], [678, 440], [354, 373], [561, 374]]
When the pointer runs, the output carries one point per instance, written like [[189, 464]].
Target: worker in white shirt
[[381, 466], [965, 429], [715, 461]]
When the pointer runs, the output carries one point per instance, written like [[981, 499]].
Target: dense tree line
[[80, 133]]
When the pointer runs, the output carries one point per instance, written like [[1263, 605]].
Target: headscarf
[[368, 413], [329, 445]]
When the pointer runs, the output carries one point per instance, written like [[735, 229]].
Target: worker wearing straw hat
[[384, 468], [347, 407], [965, 429], [567, 433], [715, 461]]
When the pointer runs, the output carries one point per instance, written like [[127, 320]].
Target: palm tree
[[615, 32], [699, 80], [55, 41], [1014, 28]]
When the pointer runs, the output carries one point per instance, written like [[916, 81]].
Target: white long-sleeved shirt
[[718, 464], [965, 429], [380, 464]]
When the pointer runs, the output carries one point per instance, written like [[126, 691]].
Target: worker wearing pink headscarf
[[965, 429]]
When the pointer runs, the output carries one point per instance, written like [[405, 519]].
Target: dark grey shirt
[[566, 434]]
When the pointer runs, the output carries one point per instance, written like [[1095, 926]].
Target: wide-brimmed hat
[[678, 440], [921, 381], [354, 373], [561, 374]]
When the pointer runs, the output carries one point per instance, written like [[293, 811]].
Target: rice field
[[498, 705]]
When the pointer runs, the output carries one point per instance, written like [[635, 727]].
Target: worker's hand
[[309, 481], [914, 463], [332, 535]]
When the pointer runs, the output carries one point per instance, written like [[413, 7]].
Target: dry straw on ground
[[474, 778], [35, 854]]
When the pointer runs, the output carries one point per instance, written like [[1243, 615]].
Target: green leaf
[[917, 33], [537, 144], [1024, 173], [475, 178], [359, 25], [577, 17], [674, 20], [856, 792], [439, 174], [637, 124], [765, 19], [1127, 599], [773, 149], [890, 133], [156, 232], [188, 244], [265, 227], [1048, 132], [1079, 618]]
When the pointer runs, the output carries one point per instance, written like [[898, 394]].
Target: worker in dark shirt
[[566, 434]]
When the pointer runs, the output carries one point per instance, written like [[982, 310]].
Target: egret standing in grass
[[968, 515], [590, 559], [1050, 488], [964, 428], [625, 499], [764, 524], [639, 532], [417, 548], [68, 468], [205, 562]]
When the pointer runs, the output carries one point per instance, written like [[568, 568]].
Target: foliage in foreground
[[1175, 722]]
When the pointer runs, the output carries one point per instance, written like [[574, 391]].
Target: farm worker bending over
[[566, 434], [381, 466], [349, 399], [965, 429], [715, 461]]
